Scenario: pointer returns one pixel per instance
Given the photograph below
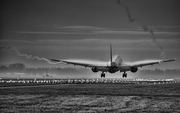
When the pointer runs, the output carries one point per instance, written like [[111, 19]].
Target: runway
[[102, 97]]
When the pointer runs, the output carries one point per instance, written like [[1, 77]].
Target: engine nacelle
[[94, 69], [99, 68], [134, 69]]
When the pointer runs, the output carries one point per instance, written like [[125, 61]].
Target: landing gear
[[124, 75], [103, 75]]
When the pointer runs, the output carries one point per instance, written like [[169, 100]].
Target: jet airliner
[[114, 65]]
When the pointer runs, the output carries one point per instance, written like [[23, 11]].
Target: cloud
[[112, 32], [167, 33], [82, 27], [50, 33], [120, 32], [93, 30], [169, 27], [164, 28], [15, 40]]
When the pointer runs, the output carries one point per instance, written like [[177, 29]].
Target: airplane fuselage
[[114, 66]]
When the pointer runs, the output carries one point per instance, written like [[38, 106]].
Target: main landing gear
[[124, 75], [103, 75]]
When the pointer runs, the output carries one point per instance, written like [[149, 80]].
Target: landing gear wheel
[[102, 75], [124, 75]]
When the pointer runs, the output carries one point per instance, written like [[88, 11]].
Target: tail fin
[[111, 53]]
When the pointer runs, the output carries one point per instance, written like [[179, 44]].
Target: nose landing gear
[[124, 75], [103, 75]]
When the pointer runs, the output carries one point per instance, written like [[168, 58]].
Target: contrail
[[26, 55], [144, 27]]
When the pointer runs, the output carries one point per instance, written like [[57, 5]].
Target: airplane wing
[[147, 62], [85, 63]]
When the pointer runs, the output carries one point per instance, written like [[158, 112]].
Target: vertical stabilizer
[[111, 53]]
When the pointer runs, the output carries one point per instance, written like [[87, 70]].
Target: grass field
[[91, 98]]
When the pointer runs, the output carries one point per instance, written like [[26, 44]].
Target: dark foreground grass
[[91, 98]]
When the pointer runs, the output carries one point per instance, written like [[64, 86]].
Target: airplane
[[114, 65]]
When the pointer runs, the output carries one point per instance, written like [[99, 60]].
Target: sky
[[83, 29]]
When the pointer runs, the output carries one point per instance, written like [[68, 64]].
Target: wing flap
[[85, 63], [169, 60], [148, 62]]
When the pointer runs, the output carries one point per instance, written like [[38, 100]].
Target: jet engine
[[134, 69], [99, 68], [94, 69]]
